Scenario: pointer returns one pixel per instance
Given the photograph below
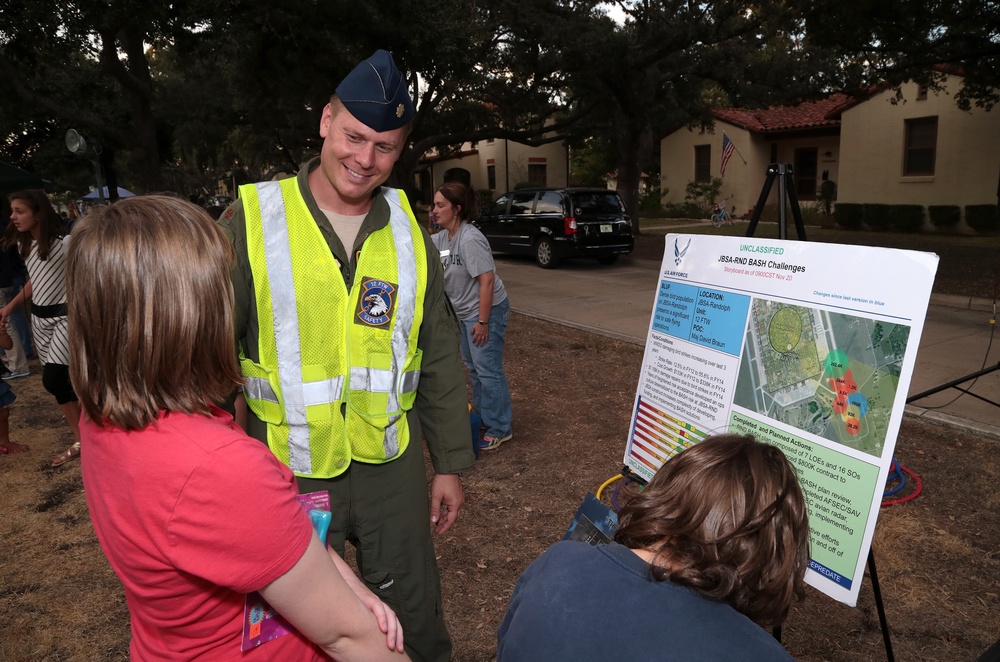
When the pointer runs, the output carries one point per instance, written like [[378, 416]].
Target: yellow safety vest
[[337, 370]]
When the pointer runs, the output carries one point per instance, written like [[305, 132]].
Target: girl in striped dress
[[42, 242]]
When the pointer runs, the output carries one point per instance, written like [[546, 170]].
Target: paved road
[[617, 300]]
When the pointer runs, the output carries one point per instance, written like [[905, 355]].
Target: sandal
[[10, 448], [70, 453]]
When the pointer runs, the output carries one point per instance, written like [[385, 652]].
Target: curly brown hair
[[726, 518]]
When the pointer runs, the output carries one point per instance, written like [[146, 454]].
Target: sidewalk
[[616, 301]]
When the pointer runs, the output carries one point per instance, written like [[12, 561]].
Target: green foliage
[[850, 215], [983, 218], [876, 215], [906, 218], [682, 210], [484, 198], [872, 41], [649, 203], [703, 194], [945, 216], [591, 162]]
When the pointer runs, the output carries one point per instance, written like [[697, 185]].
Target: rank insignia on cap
[[375, 93]]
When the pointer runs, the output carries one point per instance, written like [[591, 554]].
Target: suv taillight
[[569, 225]]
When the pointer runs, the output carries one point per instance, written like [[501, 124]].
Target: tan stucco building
[[920, 150], [497, 165]]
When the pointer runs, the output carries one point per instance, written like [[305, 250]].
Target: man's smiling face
[[354, 160]]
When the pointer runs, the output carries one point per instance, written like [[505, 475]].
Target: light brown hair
[[726, 518], [50, 225], [150, 311]]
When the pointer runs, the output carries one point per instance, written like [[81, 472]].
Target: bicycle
[[720, 214]]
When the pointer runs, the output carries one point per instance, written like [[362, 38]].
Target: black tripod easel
[[786, 191], [955, 385]]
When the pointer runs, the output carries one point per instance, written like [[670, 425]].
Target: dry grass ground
[[938, 556]]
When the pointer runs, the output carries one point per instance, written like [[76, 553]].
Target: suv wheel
[[545, 253], [608, 259]]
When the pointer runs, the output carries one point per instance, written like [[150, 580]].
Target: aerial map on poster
[[806, 346]]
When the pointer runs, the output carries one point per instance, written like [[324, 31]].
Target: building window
[[536, 174], [491, 177], [921, 93], [702, 163], [920, 147]]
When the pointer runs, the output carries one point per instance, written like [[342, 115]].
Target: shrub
[[484, 198], [906, 218], [945, 216], [682, 210], [982, 218], [703, 194], [649, 204], [876, 215], [849, 215]]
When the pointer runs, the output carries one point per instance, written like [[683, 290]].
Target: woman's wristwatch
[[483, 322]]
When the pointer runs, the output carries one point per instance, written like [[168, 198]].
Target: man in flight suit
[[350, 349]]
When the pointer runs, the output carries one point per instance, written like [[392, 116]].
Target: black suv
[[553, 224]]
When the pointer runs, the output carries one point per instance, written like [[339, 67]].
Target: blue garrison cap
[[375, 93]]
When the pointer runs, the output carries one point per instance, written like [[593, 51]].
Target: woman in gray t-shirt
[[480, 301]]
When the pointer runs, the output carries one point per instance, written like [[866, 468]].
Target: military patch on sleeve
[[376, 303]]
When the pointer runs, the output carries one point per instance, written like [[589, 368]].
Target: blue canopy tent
[[94, 195]]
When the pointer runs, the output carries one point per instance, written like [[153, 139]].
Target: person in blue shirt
[[713, 550]]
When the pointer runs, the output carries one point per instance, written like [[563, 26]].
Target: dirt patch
[[938, 557]]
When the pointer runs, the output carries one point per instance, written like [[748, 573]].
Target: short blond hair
[[150, 311]]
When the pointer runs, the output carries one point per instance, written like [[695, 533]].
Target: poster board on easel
[[807, 346]]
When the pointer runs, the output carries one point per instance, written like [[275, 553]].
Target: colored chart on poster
[[828, 373]]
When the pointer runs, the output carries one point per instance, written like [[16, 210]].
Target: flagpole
[[736, 148]]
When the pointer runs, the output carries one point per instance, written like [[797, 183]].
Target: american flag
[[727, 151]]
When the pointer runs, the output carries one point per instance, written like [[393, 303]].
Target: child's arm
[[5, 340]]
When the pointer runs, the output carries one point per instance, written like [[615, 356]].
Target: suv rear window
[[549, 202], [521, 204], [597, 203]]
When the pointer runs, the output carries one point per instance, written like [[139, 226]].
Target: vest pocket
[[261, 392]]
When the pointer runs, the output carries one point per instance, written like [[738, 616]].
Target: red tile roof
[[806, 115]]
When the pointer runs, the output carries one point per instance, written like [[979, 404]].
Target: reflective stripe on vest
[[279, 394]]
